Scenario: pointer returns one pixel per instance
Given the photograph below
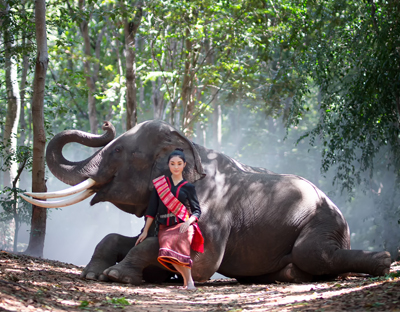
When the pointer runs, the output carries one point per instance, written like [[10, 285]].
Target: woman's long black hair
[[177, 152]]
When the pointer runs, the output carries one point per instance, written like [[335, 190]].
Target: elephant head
[[122, 171]]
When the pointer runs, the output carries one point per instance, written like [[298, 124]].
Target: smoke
[[370, 210]]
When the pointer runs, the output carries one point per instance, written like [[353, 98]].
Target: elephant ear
[[172, 140]]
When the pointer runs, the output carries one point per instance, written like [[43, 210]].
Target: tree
[[348, 51], [130, 31], [91, 71], [14, 208], [13, 96], [38, 223], [182, 39]]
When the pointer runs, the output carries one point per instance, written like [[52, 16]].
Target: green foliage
[[118, 302], [349, 48], [23, 154], [9, 204], [207, 49], [84, 305], [328, 69], [390, 276]]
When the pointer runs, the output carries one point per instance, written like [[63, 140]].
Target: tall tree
[[131, 26], [13, 97], [38, 223], [350, 51], [183, 36], [91, 68]]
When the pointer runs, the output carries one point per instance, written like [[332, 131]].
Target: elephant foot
[[123, 273], [383, 262], [94, 271], [110, 250], [293, 274]]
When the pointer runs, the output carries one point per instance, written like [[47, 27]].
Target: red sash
[[179, 210]]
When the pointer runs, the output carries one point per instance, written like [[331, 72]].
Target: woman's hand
[[141, 237], [184, 226]]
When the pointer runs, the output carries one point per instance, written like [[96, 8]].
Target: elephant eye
[[118, 149]]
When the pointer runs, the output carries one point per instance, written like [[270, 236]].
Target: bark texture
[[188, 88], [13, 101], [91, 72], [130, 29], [24, 74], [217, 122], [38, 223]]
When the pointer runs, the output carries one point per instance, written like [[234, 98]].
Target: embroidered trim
[[178, 209], [169, 200], [167, 215], [168, 257], [179, 188], [167, 250]]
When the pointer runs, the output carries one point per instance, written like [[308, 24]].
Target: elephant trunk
[[73, 173]]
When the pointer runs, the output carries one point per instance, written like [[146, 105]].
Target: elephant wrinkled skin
[[258, 226]]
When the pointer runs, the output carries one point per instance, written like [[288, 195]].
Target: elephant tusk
[[69, 191], [59, 203]]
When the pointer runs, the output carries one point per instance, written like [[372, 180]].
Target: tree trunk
[[217, 123], [16, 211], [158, 99], [157, 96], [235, 127], [89, 81], [201, 133], [13, 102], [24, 74], [187, 85], [91, 76], [130, 29], [38, 223]]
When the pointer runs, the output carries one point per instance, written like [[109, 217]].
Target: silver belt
[[167, 215]]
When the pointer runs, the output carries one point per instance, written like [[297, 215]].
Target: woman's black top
[[187, 196]]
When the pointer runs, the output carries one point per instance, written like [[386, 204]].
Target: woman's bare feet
[[188, 288]]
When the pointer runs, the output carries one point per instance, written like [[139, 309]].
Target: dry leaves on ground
[[33, 284]]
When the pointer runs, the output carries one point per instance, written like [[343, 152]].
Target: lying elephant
[[258, 226]]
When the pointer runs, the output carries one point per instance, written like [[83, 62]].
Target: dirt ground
[[33, 284]]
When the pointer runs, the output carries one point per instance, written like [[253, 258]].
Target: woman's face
[[176, 165]]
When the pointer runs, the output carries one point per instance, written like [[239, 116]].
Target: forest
[[310, 88]]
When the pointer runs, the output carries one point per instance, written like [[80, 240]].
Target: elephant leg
[[111, 249], [360, 261], [140, 261], [320, 254], [289, 274], [207, 263]]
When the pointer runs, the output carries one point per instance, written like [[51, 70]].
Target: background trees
[[237, 76]]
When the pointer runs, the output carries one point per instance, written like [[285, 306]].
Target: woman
[[178, 229]]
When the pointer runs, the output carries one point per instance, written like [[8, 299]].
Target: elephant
[[258, 226]]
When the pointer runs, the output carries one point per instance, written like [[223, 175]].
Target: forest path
[[34, 284]]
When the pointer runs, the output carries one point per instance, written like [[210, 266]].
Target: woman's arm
[[151, 212], [195, 207], [185, 225], [194, 202], [142, 236]]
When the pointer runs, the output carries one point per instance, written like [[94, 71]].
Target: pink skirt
[[174, 246]]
